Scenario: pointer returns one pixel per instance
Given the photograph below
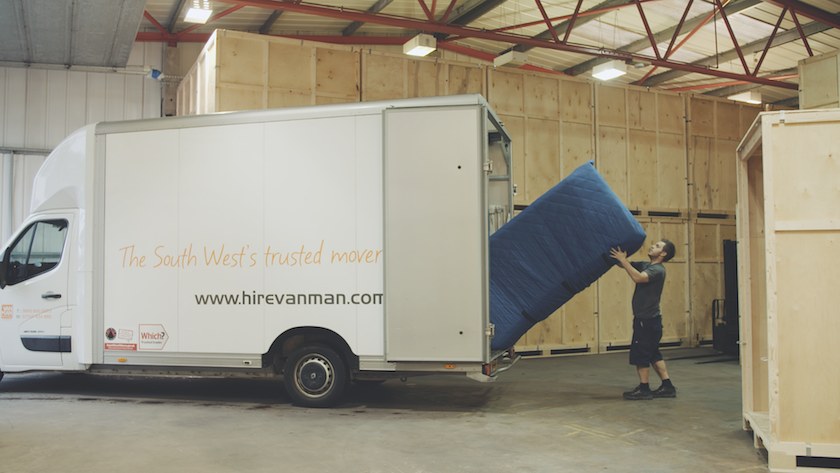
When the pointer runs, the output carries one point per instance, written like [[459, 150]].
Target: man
[[647, 319]]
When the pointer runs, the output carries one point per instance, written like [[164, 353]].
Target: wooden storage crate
[[789, 239], [819, 81], [243, 71]]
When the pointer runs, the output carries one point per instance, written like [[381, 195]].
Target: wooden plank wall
[[716, 127], [668, 156]]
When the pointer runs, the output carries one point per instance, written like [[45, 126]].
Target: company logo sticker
[[111, 334], [153, 337], [7, 311], [126, 334]]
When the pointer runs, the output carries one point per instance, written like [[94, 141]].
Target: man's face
[[656, 249]]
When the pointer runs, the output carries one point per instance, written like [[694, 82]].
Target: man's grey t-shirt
[[647, 295]]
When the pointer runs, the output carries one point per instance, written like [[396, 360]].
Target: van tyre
[[315, 376]]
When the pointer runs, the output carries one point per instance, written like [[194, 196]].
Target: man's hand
[[621, 256]]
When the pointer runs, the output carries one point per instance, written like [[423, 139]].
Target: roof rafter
[[664, 35], [732, 54]]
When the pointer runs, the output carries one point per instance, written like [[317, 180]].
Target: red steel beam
[[770, 41], [212, 19], [801, 33], [679, 27], [414, 24], [448, 11], [685, 40], [155, 22], [572, 21], [808, 11], [548, 22], [732, 35], [426, 10], [649, 32]]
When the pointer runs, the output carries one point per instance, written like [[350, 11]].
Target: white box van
[[324, 243]]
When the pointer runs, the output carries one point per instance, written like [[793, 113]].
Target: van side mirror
[[4, 267]]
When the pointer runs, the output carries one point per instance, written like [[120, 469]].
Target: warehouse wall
[[40, 107], [670, 157]]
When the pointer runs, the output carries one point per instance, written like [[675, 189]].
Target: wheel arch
[[291, 339]]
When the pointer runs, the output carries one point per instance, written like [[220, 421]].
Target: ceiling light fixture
[[199, 13], [750, 96], [420, 45], [511, 59], [609, 70]]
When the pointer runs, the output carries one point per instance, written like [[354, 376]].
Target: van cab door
[[34, 294]]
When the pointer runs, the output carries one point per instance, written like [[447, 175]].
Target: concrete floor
[[562, 414]]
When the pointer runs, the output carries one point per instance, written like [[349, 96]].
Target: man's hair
[[670, 250]]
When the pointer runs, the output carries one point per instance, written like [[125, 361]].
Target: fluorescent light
[[750, 96], [420, 45], [200, 12], [511, 58], [609, 70]]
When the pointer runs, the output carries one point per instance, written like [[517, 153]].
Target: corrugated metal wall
[[40, 107]]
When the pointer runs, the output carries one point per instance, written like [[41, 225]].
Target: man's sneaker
[[664, 391], [639, 394]]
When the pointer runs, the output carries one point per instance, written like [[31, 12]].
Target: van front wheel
[[315, 376]]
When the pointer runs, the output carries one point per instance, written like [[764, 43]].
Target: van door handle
[[50, 295]]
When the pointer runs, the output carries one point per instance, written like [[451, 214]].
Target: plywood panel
[[542, 156], [702, 157], [705, 288], [506, 92], [575, 146], [672, 171], [546, 332], [806, 194], [323, 100], [642, 172], [671, 109], [466, 80], [748, 114], [290, 66], [579, 320], [288, 98], [672, 304], [231, 99], [724, 193], [426, 78], [702, 117], [576, 99], [807, 345], [615, 290], [728, 121], [542, 97], [641, 109], [820, 75], [384, 77], [337, 72], [241, 61], [612, 159], [612, 107], [706, 243], [516, 127], [756, 279]]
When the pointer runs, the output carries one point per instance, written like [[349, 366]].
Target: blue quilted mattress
[[555, 248]]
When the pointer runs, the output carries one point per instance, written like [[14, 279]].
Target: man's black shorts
[[644, 349]]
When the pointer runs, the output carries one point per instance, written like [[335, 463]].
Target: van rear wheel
[[315, 376]]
